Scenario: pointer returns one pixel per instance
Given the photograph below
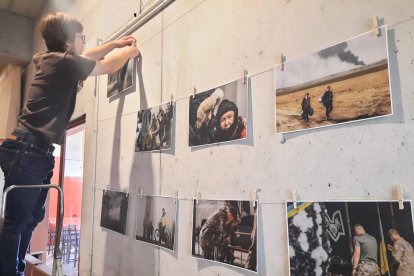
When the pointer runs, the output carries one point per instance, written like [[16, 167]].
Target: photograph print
[[226, 232], [155, 128], [156, 220], [114, 211], [350, 238], [122, 80], [219, 115], [344, 83]]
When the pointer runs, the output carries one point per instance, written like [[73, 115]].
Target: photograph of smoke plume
[[122, 80], [219, 115], [154, 128], [156, 217], [332, 238], [343, 83], [226, 232], [114, 211]]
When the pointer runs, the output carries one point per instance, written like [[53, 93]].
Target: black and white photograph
[[343, 83], [219, 114], [122, 80], [348, 238], [156, 220], [114, 211], [155, 128], [225, 231]]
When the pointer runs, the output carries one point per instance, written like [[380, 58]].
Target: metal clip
[[375, 25], [245, 73], [282, 62], [295, 198], [141, 192], [198, 196], [194, 91], [400, 194], [176, 197], [256, 197]]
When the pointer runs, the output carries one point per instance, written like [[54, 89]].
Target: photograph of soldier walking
[[343, 83], [123, 79], [218, 115], [114, 211], [226, 232], [350, 238], [154, 128], [156, 217]]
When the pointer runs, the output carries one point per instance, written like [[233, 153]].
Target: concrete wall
[[10, 93], [16, 38], [203, 44]]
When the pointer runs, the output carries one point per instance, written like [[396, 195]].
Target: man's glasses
[[82, 37]]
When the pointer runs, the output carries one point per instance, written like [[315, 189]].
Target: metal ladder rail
[[57, 254]]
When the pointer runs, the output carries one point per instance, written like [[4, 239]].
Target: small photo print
[[350, 238], [156, 220], [343, 83], [114, 211], [226, 232], [155, 128], [123, 79], [219, 115]]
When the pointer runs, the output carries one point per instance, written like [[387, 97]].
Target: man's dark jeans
[[24, 162]]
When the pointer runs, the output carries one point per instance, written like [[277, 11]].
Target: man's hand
[[389, 247], [125, 41]]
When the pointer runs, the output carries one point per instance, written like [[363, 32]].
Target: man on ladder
[[26, 157]]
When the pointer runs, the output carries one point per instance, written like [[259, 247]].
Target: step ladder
[[57, 254]]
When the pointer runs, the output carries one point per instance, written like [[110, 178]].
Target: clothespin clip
[[283, 140], [245, 73], [198, 196], [194, 91], [375, 25], [295, 198], [176, 197], [256, 197], [400, 194], [172, 98], [282, 62], [141, 192]]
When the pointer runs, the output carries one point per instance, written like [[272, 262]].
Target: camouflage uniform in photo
[[403, 253], [213, 234], [368, 268]]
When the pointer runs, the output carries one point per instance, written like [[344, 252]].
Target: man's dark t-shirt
[[52, 95]]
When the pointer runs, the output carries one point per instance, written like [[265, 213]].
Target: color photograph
[[344, 83], [114, 211], [350, 238], [219, 115], [155, 128], [122, 80], [226, 232], [156, 220]]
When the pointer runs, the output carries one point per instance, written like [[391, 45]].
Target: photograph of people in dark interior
[[156, 217], [114, 211], [350, 238], [123, 79], [225, 232], [219, 115], [154, 128]]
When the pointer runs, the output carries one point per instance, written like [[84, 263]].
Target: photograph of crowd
[[343, 83], [156, 217], [123, 79], [114, 211], [350, 238], [154, 128], [219, 115], [225, 232]]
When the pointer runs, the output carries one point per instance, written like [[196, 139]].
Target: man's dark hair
[[57, 29], [232, 211]]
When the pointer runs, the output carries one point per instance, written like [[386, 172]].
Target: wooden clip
[[245, 73], [194, 91], [283, 140], [172, 98], [198, 196], [375, 25], [256, 197], [295, 198], [282, 62], [176, 197], [400, 194], [141, 192]]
